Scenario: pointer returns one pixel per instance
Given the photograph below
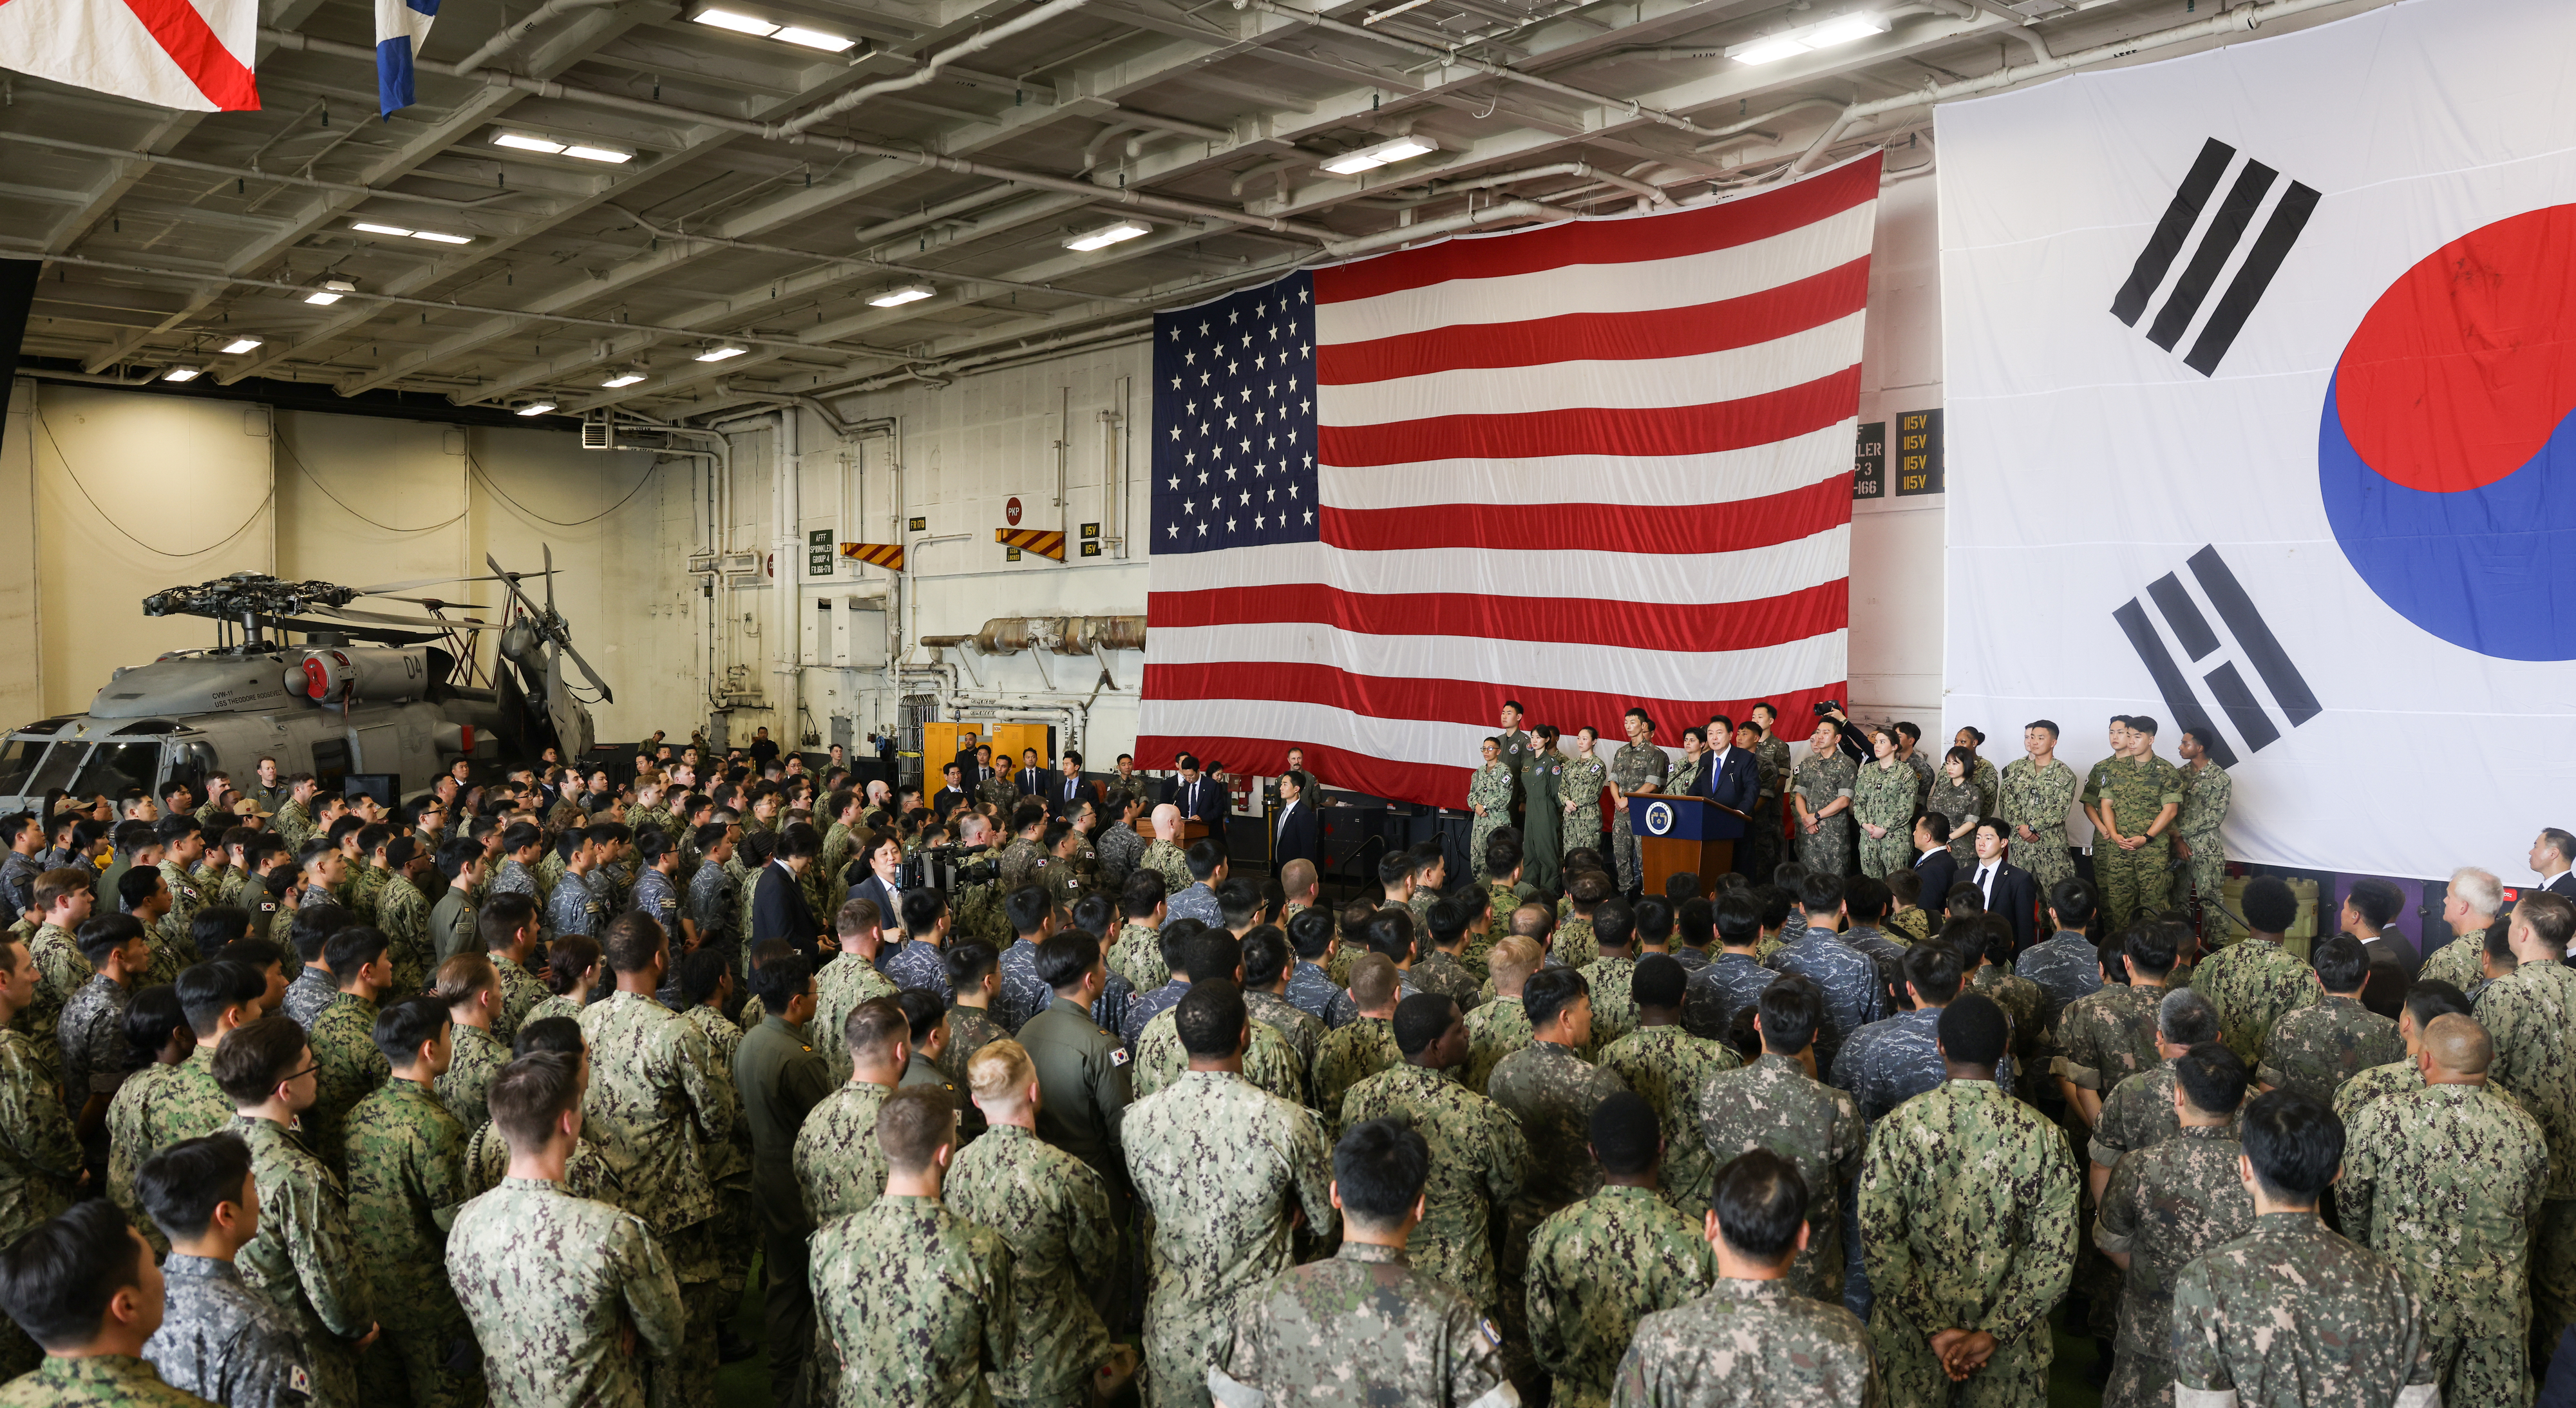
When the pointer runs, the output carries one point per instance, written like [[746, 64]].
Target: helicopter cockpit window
[[18, 763], [57, 768], [113, 767]]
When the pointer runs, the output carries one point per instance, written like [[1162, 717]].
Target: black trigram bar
[[2218, 244], [2177, 691], [2254, 638]]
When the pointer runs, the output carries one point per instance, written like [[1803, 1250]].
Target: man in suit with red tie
[[2010, 892]]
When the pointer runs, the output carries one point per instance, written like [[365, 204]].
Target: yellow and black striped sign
[[1042, 542], [879, 554]]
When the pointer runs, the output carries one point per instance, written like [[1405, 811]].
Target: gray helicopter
[[361, 699]]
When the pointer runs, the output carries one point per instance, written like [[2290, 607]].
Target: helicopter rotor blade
[[605, 695], [412, 622], [549, 550], [389, 588]]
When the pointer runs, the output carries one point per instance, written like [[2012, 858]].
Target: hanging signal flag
[[1043, 543], [886, 555]]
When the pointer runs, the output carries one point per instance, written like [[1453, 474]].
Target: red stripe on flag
[[1612, 625], [1629, 240], [1590, 337], [1594, 527], [1646, 432], [192, 45], [1471, 702]]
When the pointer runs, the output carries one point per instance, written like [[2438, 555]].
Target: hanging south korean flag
[[2259, 379]]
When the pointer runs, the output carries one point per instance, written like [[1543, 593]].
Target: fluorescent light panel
[[623, 379], [1824, 34], [182, 373], [721, 351], [897, 297], [372, 229], [1370, 158], [437, 237], [813, 39], [240, 345], [434, 236], [1107, 235], [739, 23], [607, 154], [521, 141], [536, 408]]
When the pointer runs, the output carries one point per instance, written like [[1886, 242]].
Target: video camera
[[951, 867]]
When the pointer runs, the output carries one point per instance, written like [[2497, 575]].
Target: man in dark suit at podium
[[1729, 778], [1298, 834], [2010, 891], [1200, 797]]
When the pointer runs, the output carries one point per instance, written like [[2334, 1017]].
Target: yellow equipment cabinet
[[1012, 738], [942, 741]]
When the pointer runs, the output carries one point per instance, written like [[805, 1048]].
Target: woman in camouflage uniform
[[1883, 800], [1694, 756], [1585, 776], [1489, 796], [1981, 772], [1954, 796]]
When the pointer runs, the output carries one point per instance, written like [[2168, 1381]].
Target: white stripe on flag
[[1677, 580], [1734, 374], [1651, 484], [1680, 282], [1579, 666]]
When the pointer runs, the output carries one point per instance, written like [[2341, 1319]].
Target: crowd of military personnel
[[1113, 1119]]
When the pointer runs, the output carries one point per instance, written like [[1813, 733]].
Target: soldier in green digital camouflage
[[2165, 1205], [2109, 1035], [2255, 982], [573, 1301], [917, 1301], [1489, 798], [658, 1107], [2139, 1112], [1478, 1156], [2207, 791], [1163, 854], [1967, 1223], [40, 1156], [1883, 798], [406, 1183], [837, 1163], [2530, 1013], [1055, 1214], [2033, 796], [2289, 1312], [402, 913], [2316, 1048], [1499, 1026], [86, 1283], [304, 1260], [2132, 799], [2446, 1182], [1550, 1090], [1668, 1066], [1268, 1062], [1776, 1104], [1225, 1171], [1637, 769], [1754, 1340], [1367, 1326], [1598, 1267], [343, 1036], [1362, 1047], [1821, 791]]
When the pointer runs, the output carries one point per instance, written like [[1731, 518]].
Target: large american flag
[[1601, 464]]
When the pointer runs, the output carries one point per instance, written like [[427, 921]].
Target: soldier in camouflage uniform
[[1163, 856], [1361, 1047], [2139, 1111], [916, 1301], [2033, 797], [659, 1106], [2255, 982], [1551, 1091], [2110, 1035], [2206, 793], [1366, 1326], [2291, 1312], [2166, 1205], [1668, 1066], [1967, 1221], [1055, 1213], [303, 1260], [1821, 789], [1638, 767], [1269, 1062], [1580, 784], [1489, 801], [1777, 1104], [1600, 1266], [553, 1283], [2447, 1183], [1500, 1026], [1222, 1169], [2316, 1048], [1883, 792], [1753, 1341], [40, 1156], [2530, 1013], [216, 1337], [406, 1183], [837, 1163], [2133, 796], [1771, 767], [715, 902], [1477, 1153], [402, 914]]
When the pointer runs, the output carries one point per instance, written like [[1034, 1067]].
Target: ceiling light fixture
[[1108, 235], [331, 291], [1370, 158], [521, 141], [366, 228], [1824, 34], [628, 377], [437, 237], [583, 151], [739, 23], [813, 39], [897, 297], [240, 345], [717, 352], [183, 373], [536, 408]]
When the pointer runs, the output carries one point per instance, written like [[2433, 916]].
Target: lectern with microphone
[[1678, 834]]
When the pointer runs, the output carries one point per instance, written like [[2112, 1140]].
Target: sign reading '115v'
[[1917, 456]]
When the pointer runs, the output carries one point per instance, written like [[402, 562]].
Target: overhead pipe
[[888, 265], [2248, 18], [241, 173], [776, 132], [929, 69], [511, 36], [1582, 169], [1405, 234]]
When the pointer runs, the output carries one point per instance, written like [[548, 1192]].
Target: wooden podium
[[1673, 838]]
